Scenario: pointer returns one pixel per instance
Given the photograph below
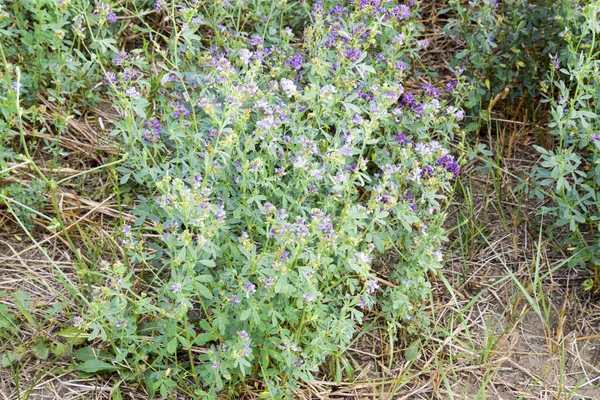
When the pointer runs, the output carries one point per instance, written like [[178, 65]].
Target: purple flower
[[158, 5], [176, 288], [427, 172], [103, 265], [78, 322], [363, 258], [451, 85], [244, 335], [372, 285], [308, 297], [401, 12], [555, 60], [361, 302], [110, 79], [78, 25], [257, 41], [449, 164], [245, 55], [116, 282], [430, 90], [269, 209], [216, 364], [401, 138], [126, 230], [408, 100], [358, 120], [269, 282], [220, 215], [120, 58], [423, 44], [179, 110], [288, 87], [132, 93], [411, 199], [595, 137], [111, 18], [152, 132], [235, 299], [298, 363], [294, 62], [249, 288], [353, 54]]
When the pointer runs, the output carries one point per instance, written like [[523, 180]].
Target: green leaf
[[41, 350], [149, 384], [413, 351], [208, 263], [379, 245], [116, 393], [184, 342], [6, 320], [90, 353], [245, 314], [24, 304], [172, 345], [204, 291], [94, 366], [204, 278]]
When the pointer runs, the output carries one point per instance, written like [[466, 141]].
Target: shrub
[[570, 168], [278, 166], [545, 51], [505, 46]]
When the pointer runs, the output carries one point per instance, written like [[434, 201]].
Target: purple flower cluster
[[249, 288], [152, 130], [426, 172], [430, 90], [294, 62], [372, 285], [179, 110], [309, 298], [555, 60], [353, 54], [120, 58], [449, 164], [78, 322], [176, 288], [451, 85], [401, 12], [111, 17], [411, 200]]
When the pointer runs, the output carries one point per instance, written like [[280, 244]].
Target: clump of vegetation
[[278, 166]]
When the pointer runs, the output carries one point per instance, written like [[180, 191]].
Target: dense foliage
[[545, 54], [278, 162]]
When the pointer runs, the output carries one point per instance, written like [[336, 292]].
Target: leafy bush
[[42, 54], [571, 168], [546, 51], [280, 165], [505, 46]]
